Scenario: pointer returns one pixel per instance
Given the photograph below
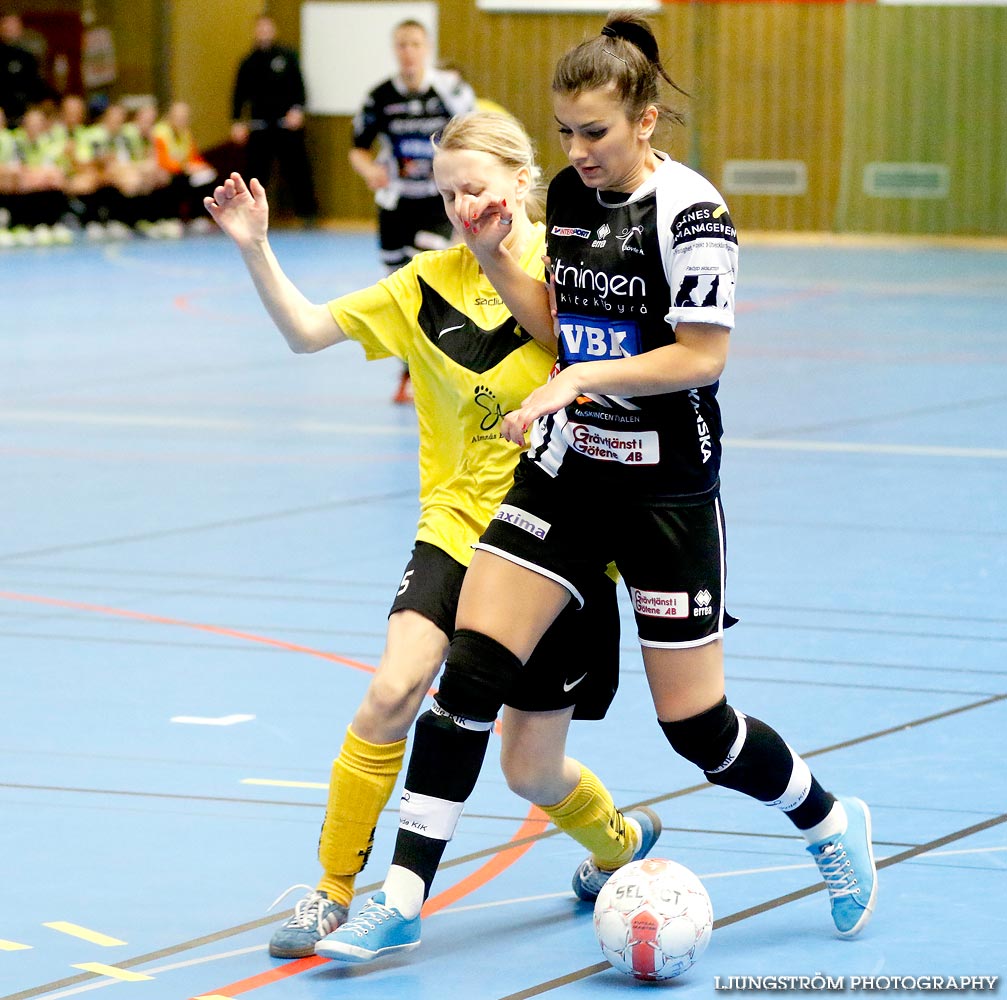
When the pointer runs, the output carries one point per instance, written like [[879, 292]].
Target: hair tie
[[636, 35]]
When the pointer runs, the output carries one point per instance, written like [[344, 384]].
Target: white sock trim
[[463, 723], [739, 742], [834, 825], [428, 815], [797, 788], [404, 891]]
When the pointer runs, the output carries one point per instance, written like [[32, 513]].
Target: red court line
[[532, 824], [499, 862], [198, 626], [484, 873], [264, 640]]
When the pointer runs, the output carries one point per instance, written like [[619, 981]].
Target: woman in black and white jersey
[[623, 464]]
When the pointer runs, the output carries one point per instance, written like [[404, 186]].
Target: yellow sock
[[363, 776], [589, 815]]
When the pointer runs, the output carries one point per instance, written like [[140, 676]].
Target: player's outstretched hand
[[548, 398], [240, 209]]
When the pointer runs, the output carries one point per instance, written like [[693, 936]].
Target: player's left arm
[[697, 358]]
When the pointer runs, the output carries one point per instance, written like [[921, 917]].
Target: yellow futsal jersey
[[470, 363]]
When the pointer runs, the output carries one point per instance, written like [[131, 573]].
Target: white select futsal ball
[[653, 919]]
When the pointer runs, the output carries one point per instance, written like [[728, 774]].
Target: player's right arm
[[242, 212], [363, 162]]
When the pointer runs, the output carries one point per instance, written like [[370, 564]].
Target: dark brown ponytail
[[626, 55]]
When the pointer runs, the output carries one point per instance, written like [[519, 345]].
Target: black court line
[[171, 950], [855, 630], [234, 647], [879, 418], [208, 588], [193, 529], [810, 661], [870, 528], [846, 685], [497, 817], [192, 575], [770, 904], [363, 655], [865, 613]]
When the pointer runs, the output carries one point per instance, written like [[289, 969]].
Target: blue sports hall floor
[[201, 533]]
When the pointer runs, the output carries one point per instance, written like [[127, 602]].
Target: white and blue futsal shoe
[[378, 929], [846, 862]]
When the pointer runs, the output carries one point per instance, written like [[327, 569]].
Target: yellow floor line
[[75, 930], [113, 972], [12, 946]]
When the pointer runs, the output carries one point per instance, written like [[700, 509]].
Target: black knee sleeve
[[753, 760], [706, 739], [478, 676], [739, 752]]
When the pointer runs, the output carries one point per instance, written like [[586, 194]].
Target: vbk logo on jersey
[[588, 338]]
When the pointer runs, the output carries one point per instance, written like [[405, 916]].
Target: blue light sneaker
[[589, 878], [376, 930], [847, 865], [314, 917]]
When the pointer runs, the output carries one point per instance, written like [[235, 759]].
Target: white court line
[[865, 448], [102, 983], [209, 720], [709, 875], [196, 423], [389, 430]]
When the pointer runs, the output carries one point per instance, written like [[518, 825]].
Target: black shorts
[[672, 558], [415, 224], [575, 663]]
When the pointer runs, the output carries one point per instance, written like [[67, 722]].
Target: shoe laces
[[309, 911], [370, 916], [837, 870]]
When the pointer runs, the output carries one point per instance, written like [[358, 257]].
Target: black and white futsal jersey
[[625, 273], [403, 123]]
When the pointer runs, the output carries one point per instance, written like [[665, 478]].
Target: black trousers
[[286, 148]]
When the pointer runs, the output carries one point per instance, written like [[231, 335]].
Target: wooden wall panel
[[927, 85], [773, 90], [834, 85]]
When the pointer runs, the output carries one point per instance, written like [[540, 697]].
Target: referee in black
[[267, 110]]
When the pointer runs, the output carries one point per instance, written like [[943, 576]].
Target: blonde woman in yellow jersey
[[470, 364]]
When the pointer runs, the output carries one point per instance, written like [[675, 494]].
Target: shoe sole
[[306, 951], [869, 908], [353, 954], [291, 952]]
